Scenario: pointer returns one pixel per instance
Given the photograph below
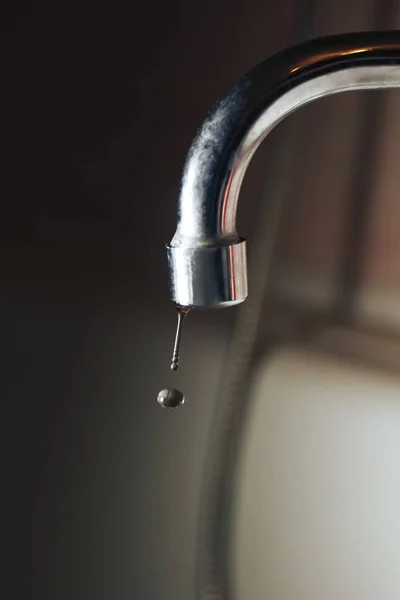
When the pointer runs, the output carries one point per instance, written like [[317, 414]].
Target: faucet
[[207, 257]]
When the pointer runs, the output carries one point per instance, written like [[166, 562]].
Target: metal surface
[[206, 257], [203, 276]]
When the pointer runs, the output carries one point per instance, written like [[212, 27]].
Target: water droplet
[[182, 312], [170, 398]]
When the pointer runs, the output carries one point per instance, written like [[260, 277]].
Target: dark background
[[101, 101]]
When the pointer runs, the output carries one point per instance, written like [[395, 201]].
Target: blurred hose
[[213, 559]]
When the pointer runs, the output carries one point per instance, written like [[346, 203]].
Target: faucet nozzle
[[206, 276]]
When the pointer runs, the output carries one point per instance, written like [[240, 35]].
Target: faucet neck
[[207, 258]]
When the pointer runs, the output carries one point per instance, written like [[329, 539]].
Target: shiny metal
[[207, 261], [208, 275], [182, 312]]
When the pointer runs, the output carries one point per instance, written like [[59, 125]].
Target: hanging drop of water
[[182, 312], [170, 398]]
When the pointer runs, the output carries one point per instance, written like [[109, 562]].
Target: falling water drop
[[170, 398]]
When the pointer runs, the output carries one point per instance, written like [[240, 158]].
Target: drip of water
[[170, 398], [182, 312]]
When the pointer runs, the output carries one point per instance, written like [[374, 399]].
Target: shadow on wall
[[102, 485]]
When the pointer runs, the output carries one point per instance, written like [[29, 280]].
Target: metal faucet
[[207, 257]]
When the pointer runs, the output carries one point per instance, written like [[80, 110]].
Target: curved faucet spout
[[207, 258]]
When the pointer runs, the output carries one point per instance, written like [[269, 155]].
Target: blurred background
[[102, 488]]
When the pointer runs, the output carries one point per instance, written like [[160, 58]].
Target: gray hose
[[215, 520]]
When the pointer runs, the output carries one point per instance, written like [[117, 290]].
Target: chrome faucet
[[207, 257]]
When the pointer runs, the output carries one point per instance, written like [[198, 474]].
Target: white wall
[[318, 492]]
